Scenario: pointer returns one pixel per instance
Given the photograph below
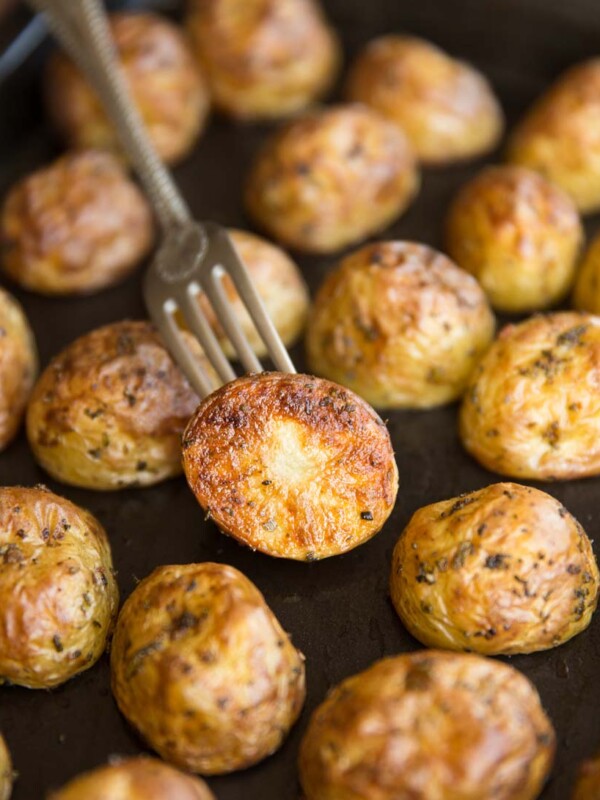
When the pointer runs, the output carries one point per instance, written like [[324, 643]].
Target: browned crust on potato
[[108, 411], [446, 107], [139, 778], [75, 226], [203, 670], [162, 75], [505, 569], [18, 366], [587, 785], [6, 771], [291, 465], [518, 234], [428, 724], [560, 137], [532, 409], [400, 324], [263, 58], [331, 178], [58, 594]]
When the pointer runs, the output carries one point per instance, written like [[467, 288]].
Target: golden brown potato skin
[[446, 107], [505, 569], [75, 226], [162, 75], [280, 285], [586, 294], [204, 671], [587, 786], [263, 58], [429, 726], [331, 178], [18, 366], [560, 137], [532, 408], [399, 324], [138, 778], [291, 465], [518, 234], [6, 772], [58, 594], [109, 410]]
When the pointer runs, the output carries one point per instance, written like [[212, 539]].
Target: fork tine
[[172, 336], [200, 326]]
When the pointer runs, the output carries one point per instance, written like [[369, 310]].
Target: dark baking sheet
[[337, 610]]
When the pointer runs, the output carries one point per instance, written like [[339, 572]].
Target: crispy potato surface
[[532, 408], [75, 226], [162, 76], [18, 366], [58, 594], [108, 412], [263, 59], [203, 670], [518, 234], [331, 178], [429, 726], [446, 107], [502, 570], [399, 324], [291, 465], [139, 778]]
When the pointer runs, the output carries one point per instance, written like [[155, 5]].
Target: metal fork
[[193, 256]]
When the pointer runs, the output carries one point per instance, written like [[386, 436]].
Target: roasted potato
[[75, 226], [518, 234], [162, 75], [505, 569], [6, 772], [58, 594], [399, 324], [203, 670], [280, 285], [331, 178], [587, 786], [138, 778], [560, 136], [263, 58], [291, 465], [108, 412], [18, 367], [586, 294], [446, 107], [429, 725], [532, 408]]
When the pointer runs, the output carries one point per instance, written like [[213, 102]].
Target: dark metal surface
[[337, 610]]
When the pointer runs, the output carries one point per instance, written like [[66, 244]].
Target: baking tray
[[338, 610]]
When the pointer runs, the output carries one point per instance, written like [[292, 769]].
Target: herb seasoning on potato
[[502, 570], [75, 226], [518, 234], [162, 76], [331, 178], [532, 407], [139, 778], [18, 366], [108, 412], [400, 324], [291, 465], [429, 725], [203, 670], [446, 107], [59, 594]]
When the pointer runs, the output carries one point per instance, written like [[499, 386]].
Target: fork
[[193, 257]]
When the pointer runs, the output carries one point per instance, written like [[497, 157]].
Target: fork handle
[[82, 28]]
